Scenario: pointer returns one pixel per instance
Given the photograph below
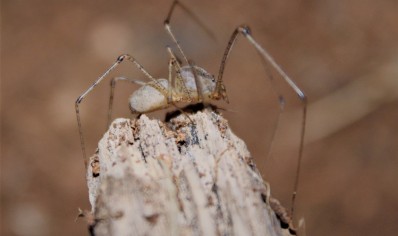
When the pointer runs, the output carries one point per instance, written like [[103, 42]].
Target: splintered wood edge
[[184, 177]]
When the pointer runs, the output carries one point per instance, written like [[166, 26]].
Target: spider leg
[[193, 16], [198, 83], [281, 100], [112, 93], [303, 98], [168, 27], [179, 83], [173, 62], [171, 34], [119, 60], [220, 92], [170, 98], [171, 82]]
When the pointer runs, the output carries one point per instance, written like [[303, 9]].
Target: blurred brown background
[[343, 54]]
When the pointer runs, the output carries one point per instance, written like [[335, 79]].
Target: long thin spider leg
[[180, 82], [276, 126], [182, 112], [171, 82], [119, 60], [198, 83], [220, 92], [303, 98], [281, 101], [170, 32], [193, 16], [170, 98], [112, 93], [173, 62]]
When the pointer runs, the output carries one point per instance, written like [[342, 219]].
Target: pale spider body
[[149, 98], [193, 84]]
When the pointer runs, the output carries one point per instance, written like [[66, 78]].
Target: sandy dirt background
[[343, 54]]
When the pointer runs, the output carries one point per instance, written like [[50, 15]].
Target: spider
[[191, 84]]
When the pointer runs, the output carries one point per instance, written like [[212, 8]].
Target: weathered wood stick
[[184, 177]]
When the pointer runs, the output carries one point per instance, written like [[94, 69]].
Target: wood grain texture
[[183, 177]]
